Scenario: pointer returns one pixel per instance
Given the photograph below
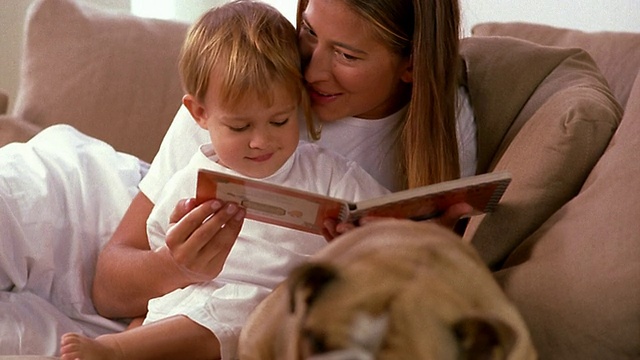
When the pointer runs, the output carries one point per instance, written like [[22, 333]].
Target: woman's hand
[[448, 219], [200, 237], [453, 214]]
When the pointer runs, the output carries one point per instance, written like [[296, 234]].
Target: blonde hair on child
[[252, 47]]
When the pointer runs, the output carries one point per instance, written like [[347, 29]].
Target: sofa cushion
[[577, 279], [15, 130], [616, 53], [556, 133], [4, 102], [112, 76]]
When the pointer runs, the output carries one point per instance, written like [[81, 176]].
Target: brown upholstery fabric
[[545, 115], [616, 53], [577, 279], [112, 76], [15, 130], [4, 102]]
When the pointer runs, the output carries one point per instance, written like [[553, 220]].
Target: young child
[[240, 67]]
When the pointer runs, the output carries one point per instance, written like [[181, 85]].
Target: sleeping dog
[[394, 289]]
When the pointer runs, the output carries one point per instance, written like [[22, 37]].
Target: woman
[[382, 77]]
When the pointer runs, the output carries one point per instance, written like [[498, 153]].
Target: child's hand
[[200, 237]]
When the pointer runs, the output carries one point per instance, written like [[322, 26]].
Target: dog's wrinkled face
[[360, 339], [415, 302], [390, 290], [339, 321]]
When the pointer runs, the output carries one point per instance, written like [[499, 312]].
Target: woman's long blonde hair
[[429, 32]]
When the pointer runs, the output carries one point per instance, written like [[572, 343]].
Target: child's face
[[252, 138]]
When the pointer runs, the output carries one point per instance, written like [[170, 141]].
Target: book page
[[482, 192], [270, 203]]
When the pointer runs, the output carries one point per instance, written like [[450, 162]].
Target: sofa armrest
[[14, 129], [4, 102]]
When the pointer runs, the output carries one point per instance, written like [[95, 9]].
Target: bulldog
[[394, 289]]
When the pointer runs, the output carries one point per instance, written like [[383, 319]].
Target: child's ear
[[197, 110]]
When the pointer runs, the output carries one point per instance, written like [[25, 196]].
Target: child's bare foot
[[78, 347]]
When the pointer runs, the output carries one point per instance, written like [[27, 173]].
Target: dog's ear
[[307, 281], [484, 338]]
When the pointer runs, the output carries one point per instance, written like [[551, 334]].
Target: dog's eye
[[314, 343]]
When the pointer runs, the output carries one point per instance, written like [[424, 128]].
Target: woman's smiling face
[[349, 71]]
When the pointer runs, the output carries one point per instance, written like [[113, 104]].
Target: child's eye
[[280, 123], [238, 128]]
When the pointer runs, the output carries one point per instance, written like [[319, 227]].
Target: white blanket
[[61, 196]]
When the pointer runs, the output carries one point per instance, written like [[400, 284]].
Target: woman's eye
[[305, 29], [346, 57]]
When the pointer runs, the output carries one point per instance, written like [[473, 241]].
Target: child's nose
[[260, 140]]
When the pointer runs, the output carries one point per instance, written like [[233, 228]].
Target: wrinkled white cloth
[[62, 194]]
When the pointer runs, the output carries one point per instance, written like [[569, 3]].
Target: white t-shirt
[[368, 142], [263, 254]]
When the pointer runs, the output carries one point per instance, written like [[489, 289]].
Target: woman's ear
[[197, 110], [407, 71]]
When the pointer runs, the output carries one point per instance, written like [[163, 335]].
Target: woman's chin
[[325, 115]]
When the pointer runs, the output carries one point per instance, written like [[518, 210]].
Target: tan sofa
[[565, 243]]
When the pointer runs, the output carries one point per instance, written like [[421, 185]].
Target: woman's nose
[[318, 65]]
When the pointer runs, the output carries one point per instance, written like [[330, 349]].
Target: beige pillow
[[4, 102], [616, 53], [559, 132], [15, 130], [577, 279], [112, 76]]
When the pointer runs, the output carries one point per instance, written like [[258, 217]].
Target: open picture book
[[307, 211]]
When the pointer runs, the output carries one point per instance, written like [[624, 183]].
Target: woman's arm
[[129, 274]]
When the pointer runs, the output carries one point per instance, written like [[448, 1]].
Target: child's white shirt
[[263, 254]]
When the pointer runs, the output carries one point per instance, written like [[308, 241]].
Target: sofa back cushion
[[112, 76], [617, 54], [561, 118], [576, 280], [4, 102]]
